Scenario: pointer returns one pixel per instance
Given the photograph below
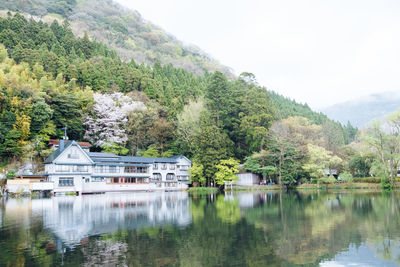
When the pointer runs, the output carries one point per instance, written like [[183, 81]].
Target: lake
[[175, 229]]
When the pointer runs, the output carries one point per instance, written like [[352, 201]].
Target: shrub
[[346, 177], [304, 180], [10, 174], [327, 180], [386, 185], [202, 190], [373, 180]]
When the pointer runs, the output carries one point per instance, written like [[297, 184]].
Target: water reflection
[[173, 229], [73, 218]]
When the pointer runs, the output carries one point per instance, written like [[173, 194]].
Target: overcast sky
[[315, 51]]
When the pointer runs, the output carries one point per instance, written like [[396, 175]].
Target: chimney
[[61, 145]]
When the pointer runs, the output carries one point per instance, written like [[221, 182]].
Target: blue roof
[[179, 156], [113, 158], [136, 159], [102, 155]]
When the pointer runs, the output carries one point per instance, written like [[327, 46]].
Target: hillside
[[365, 109], [122, 30], [286, 107], [51, 78]]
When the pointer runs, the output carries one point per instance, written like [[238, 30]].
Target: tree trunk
[[280, 167]]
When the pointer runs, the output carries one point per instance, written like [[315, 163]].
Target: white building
[[72, 169], [247, 179]]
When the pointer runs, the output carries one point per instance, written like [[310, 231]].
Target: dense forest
[[51, 79], [122, 30]]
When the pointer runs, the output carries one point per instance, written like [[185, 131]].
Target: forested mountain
[[362, 111], [287, 107], [122, 30], [51, 79]]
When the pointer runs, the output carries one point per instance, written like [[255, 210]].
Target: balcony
[[41, 186]]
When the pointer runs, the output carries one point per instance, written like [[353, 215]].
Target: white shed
[[247, 178]]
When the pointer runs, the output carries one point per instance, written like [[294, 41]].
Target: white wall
[[82, 157], [163, 172], [247, 178]]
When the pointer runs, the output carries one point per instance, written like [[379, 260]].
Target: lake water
[[175, 229]]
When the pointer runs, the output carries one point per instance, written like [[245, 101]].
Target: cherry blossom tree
[[108, 117]]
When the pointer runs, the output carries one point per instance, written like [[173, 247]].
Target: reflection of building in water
[[245, 200], [73, 218]]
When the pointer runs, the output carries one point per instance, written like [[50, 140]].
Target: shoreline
[[308, 187]]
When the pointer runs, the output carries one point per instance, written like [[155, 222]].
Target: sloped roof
[[102, 155], [179, 156], [113, 158], [57, 153], [136, 159]]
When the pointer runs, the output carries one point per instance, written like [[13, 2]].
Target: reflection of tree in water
[[279, 230], [322, 225]]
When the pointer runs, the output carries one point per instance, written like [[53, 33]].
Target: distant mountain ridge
[[121, 29], [363, 110]]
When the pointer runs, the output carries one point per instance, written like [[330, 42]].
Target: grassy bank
[[256, 188], [202, 190], [338, 186], [342, 186]]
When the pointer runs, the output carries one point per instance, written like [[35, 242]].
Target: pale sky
[[316, 51]]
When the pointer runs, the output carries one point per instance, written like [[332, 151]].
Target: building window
[[172, 166], [141, 169], [141, 180], [184, 167], [62, 168], [114, 180], [66, 181], [80, 168], [129, 169], [157, 176], [155, 166], [170, 176], [74, 154], [163, 166], [97, 179], [99, 169], [183, 178], [112, 169], [130, 180]]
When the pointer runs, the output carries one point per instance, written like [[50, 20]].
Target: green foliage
[[361, 165], [386, 184], [114, 148], [202, 190], [319, 160], [327, 180], [374, 180], [211, 145], [226, 171], [227, 211], [197, 174], [151, 152], [336, 134], [384, 143], [206, 117], [346, 177], [10, 174]]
